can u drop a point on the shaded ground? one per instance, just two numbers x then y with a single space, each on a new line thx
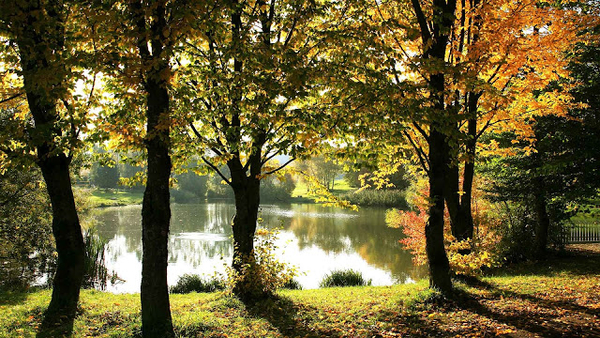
559 297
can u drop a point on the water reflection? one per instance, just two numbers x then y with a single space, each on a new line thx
314 238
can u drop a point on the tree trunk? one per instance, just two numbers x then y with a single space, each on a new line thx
439 267
542 225
247 201
459 202
156 210
69 242
156 216
434 34
43 92
466 213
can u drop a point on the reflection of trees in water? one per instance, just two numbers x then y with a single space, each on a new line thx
122 227
337 232
204 220
194 251
203 231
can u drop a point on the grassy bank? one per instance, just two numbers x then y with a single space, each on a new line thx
113 197
302 194
558 298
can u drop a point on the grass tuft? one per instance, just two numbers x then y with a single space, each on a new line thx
344 278
194 283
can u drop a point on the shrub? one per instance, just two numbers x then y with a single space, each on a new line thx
483 246
26 244
266 273
518 230
344 278
195 283
373 197
183 196
277 188
292 284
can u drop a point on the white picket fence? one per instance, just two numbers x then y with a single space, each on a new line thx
583 233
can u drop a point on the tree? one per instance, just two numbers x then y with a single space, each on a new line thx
495 94
40 53
277 189
152 30
324 170
105 174
138 52
252 68
559 166
436 76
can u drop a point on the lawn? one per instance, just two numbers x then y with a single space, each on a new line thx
301 192
115 197
557 298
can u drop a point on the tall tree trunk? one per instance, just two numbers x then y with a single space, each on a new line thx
439 267
156 216
247 202
39 37
69 241
156 210
542 225
466 213
459 202
435 34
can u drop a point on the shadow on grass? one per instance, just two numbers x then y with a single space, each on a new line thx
548 303
290 319
54 325
574 260
13 297
63 330
536 315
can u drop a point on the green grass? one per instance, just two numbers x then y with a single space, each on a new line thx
113 197
302 195
344 278
559 297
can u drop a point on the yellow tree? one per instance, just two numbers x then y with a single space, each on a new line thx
440 74
251 70
505 52
44 49
138 44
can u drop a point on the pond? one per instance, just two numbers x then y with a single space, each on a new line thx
315 239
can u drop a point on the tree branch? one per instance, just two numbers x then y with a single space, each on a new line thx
281 167
420 153
214 167
11 97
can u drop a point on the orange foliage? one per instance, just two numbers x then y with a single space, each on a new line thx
484 245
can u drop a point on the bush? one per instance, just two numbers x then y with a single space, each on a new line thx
518 231
373 197
261 278
292 284
183 196
195 283
344 278
277 189
26 242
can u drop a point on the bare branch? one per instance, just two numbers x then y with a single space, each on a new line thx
214 167
420 153
281 167
11 97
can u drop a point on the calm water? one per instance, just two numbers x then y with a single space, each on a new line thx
314 238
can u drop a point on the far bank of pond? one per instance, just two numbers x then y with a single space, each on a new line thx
314 238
